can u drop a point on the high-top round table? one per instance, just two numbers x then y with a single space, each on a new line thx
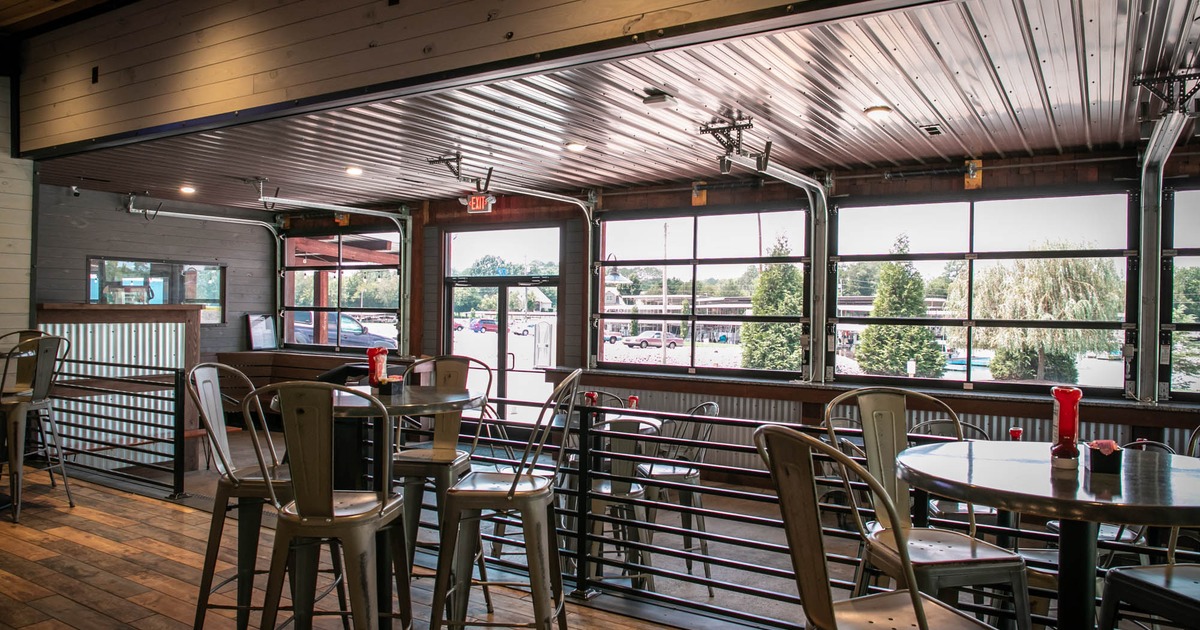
1153 488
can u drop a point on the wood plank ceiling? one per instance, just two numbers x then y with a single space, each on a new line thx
975 79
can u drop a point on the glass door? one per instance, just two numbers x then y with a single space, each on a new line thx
502 308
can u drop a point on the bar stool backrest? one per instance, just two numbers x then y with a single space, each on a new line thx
696 431
622 437
449 373
883 413
25 368
788 455
559 406
37 359
307 410
214 387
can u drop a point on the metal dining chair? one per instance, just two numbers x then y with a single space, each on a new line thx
214 387
1168 591
30 369
321 511
523 492
693 436
616 494
441 460
943 560
944 427
788 455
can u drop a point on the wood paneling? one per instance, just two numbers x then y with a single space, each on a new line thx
70 229
16 216
172 61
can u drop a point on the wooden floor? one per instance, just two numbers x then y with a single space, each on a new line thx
120 560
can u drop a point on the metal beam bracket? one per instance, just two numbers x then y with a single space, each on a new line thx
728 135
1172 89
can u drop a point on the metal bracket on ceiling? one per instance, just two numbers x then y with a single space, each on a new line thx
257 181
728 134
1172 89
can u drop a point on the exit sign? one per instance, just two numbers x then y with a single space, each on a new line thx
480 203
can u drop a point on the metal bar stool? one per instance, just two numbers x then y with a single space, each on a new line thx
522 492
34 366
213 387
319 511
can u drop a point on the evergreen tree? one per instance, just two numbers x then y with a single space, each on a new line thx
778 290
887 349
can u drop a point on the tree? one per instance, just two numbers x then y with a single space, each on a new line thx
778 290
939 287
859 278
635 326
1046 289
887 349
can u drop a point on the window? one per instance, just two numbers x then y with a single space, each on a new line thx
1019 292
159 282
1184 296
718 290
350 282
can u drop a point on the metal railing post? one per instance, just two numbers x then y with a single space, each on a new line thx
178 441
583 504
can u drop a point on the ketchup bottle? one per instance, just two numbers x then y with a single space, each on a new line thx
376 365
590 398
1065 452
633 402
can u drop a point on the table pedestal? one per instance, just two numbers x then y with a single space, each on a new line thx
1076 573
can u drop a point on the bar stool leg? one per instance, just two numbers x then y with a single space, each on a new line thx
414 496
249 523
60 455
215 528
16 455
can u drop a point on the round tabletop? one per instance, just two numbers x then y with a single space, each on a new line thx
412 401
1153 488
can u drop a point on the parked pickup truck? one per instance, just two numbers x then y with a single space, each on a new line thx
353 332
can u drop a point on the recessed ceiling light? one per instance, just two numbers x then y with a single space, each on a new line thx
187 190
576 146
878 112
354 171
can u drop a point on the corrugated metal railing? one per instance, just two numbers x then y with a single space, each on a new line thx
747 555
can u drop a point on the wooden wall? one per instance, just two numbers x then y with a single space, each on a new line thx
16 221
158 63
70 229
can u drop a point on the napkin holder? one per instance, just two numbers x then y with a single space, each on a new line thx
1098 462
390 387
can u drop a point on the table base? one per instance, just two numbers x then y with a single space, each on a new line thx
1077 574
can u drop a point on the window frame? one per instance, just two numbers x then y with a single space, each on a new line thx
288 323
1167 284
600 266
177 269
1127 325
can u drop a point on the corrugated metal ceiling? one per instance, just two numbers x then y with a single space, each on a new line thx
998 78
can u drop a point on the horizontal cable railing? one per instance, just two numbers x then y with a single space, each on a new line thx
122 420
752 577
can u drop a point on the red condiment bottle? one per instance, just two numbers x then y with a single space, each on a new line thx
376 365
633 402
1065 452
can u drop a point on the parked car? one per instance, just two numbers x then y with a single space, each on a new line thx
611 336
353 332
653 338
459 325
524 328
484 325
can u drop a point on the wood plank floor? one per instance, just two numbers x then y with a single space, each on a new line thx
121 560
